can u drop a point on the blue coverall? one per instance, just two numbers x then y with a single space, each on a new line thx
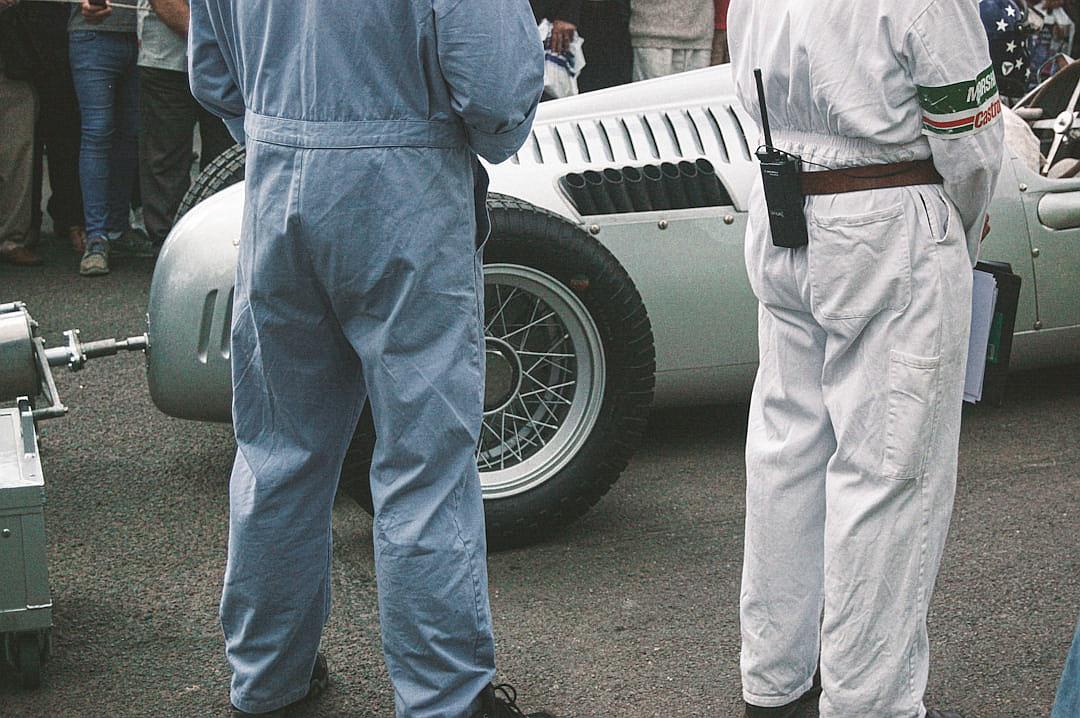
359 277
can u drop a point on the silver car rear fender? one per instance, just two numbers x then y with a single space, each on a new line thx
190 313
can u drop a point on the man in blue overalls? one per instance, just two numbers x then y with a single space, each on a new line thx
359 278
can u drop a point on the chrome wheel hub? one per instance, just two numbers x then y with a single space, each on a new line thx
545 379
502 376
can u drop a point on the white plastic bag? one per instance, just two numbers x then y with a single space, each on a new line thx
561 70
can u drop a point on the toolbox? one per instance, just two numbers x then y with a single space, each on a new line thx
25 604
26 379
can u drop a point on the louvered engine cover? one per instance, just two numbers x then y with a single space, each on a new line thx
683 117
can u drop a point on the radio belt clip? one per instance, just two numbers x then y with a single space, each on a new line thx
780 175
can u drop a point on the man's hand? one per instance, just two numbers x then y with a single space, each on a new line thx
562 34
176 14
95 13
986 228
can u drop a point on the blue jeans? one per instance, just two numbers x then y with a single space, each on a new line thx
104 70
1067 704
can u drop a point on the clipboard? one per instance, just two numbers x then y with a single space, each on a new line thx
1003 323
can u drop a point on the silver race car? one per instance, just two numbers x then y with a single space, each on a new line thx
614 282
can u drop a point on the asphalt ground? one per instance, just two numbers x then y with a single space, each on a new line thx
630 612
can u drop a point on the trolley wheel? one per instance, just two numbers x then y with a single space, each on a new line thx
29 657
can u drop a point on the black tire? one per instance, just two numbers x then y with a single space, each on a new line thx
523 235
30 659
225 170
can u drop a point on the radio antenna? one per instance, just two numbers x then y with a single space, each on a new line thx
764 109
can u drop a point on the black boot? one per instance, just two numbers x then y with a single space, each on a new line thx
501 702
791 710
804 707
320 679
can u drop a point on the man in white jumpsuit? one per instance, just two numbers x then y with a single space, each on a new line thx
855 419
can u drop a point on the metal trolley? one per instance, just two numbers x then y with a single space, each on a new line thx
26 382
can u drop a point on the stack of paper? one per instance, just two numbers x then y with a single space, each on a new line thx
983 300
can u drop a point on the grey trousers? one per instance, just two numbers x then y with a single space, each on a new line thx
168 116
18 108
650 62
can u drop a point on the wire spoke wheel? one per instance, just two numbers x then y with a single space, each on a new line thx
570 368
545 379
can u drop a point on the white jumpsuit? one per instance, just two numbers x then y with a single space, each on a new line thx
855 419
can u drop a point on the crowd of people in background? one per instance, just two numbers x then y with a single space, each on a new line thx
628 40
102 93
98 97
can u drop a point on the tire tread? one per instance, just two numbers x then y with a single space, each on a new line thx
223 171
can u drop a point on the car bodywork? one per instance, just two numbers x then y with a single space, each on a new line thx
687 264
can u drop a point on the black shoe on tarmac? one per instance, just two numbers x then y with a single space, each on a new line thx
804 707
794 709
320 679
501 702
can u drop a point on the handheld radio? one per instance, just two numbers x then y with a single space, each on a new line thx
780 173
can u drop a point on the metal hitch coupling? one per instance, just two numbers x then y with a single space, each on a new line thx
26 365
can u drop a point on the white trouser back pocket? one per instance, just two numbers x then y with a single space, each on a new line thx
860 265
909 425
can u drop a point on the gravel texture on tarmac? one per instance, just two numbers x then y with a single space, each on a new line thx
630 612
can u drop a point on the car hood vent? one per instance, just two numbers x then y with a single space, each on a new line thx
717 131
645 188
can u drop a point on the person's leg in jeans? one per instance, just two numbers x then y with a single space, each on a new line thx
103 69
1067 704
94 75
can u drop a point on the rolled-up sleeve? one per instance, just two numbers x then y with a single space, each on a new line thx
493 63
950 63
211 74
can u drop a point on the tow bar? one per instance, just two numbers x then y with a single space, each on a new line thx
26 380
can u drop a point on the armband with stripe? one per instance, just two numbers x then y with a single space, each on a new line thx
962 108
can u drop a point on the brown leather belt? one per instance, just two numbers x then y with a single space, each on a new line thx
857 179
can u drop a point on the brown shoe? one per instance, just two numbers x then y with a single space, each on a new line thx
33 238
19 256
77 235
